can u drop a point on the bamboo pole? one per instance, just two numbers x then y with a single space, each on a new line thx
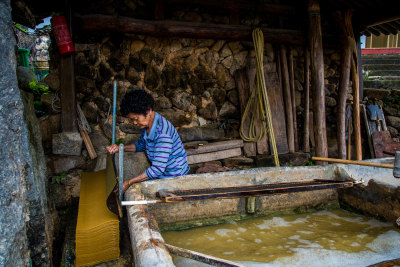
362 163
306 134
356 107
287 98
317 74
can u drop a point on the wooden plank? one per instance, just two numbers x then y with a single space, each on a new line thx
355 162
306 133
214 261
262 144
317 74
88 143
287 98
293 95
277 111
243 86
252 190
216 146
223 154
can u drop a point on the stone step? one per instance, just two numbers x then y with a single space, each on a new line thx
384 72
385 84
384 78
380 61
395 56
380 67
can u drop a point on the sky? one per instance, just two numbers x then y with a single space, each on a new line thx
46 21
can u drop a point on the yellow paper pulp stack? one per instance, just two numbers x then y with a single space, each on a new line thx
97 230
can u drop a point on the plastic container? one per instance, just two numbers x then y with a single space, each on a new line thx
23 57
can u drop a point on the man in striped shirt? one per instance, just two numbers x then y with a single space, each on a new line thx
159 139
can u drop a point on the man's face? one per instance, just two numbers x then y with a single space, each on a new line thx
140 120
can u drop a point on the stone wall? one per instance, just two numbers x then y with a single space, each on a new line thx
25 226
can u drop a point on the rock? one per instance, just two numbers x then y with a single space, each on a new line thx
152 42
90 110
220 75
393 121
47 100
129 128
391 111
176 117
235 47
189 134
240 59
136 46
181 99
49 125
52 80
294 159
196 85
218 45
227 110
135 163
66 192
147 55
330 101
162 103
175 45
393 131
192 17
237 161
152 78
191 62
132 75
67 143
336 57
218 95
227 62
99 141
25 76
97 164
172 77
61 164
209 167
209 112
298 86
225 52
131 138
233 97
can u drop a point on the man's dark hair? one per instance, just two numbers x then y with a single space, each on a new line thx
137 102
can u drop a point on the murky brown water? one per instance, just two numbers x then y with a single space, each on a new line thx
327 238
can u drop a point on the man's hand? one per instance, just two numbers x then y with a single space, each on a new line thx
112 149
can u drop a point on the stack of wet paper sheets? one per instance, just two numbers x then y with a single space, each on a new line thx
97 230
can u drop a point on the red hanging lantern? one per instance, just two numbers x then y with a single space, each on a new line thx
63 37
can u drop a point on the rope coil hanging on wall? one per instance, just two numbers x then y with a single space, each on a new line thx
258 101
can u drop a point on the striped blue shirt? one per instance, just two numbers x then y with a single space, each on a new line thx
164 149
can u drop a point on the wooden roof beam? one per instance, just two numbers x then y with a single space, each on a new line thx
381 29
240 4
184 29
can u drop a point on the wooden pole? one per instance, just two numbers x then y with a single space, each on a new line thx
293 94
287 98
317 74
362 163
356 106
306 135
349 139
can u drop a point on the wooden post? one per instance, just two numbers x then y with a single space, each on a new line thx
317 74
356 106
67 85
293 94
306 135
287 98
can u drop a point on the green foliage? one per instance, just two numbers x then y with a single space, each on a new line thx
310 163
39 89
61 176
117 141
21 28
